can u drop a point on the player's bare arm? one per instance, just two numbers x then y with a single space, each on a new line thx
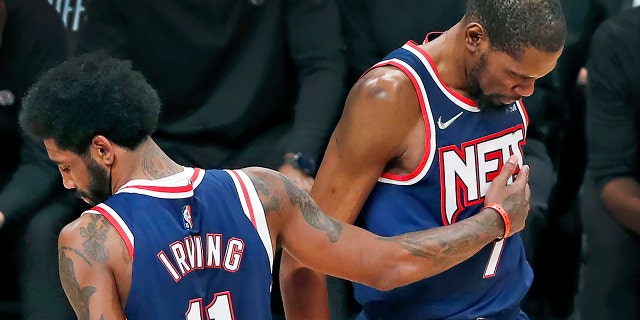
90 255
346 251
375 134
381 112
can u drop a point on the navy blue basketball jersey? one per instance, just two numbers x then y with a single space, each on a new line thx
464 150
200 246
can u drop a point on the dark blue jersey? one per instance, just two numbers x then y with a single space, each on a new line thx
200 246
464 150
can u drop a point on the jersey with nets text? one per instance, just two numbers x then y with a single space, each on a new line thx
464 150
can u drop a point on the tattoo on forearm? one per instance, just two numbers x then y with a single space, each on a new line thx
156 164
95 234
439 244
79 297
312 213
420 245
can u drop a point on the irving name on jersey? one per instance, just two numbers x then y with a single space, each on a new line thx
193 253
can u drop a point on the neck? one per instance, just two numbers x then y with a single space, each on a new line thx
152 163
447 52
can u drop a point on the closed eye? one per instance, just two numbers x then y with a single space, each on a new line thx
520 76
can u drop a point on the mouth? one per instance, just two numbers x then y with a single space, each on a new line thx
83 196
508 100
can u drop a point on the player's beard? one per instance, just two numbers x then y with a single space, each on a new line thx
99 184
486 102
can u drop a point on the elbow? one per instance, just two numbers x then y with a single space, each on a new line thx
397 275
386 285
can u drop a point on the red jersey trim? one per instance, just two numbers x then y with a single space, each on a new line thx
245 193
423 110
454 93
117 222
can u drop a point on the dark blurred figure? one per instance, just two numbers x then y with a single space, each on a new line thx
556 151
611 202
373 28
242 82
33 208
72 13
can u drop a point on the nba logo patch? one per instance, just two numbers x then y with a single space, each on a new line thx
186 217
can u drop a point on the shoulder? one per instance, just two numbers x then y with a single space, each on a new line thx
274 188
382 81
87 220
80 227
93 235
381 108
384 85
263 177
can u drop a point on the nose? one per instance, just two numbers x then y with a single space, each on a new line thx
68 182
524 89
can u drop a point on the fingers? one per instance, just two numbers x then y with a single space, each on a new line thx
523 175
527 192
508 169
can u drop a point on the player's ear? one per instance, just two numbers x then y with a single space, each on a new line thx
475 37
102 149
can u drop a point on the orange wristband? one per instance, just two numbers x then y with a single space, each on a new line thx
505 218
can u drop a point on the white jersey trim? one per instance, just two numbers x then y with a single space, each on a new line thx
252 207
434 76
177 186
523 114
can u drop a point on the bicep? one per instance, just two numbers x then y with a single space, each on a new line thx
85 273
379 113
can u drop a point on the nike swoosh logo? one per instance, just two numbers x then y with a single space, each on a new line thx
444 125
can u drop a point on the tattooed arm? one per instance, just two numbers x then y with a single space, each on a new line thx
346 251
88 250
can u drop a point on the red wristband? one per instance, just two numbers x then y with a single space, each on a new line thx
505 218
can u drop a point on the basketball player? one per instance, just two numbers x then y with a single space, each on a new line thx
423 134
165 241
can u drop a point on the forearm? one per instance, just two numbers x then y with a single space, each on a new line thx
304 291
621 197
430 252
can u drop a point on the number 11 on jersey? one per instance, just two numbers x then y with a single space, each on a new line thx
220 308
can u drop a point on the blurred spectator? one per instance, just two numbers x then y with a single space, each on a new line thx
556 152
611 210
72 13
373 28
32 207
242 82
